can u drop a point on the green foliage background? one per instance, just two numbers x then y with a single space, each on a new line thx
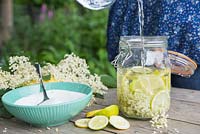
73 29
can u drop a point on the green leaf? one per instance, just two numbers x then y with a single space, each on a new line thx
98 95
108 81
47 77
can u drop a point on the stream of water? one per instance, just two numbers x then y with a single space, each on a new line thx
141 22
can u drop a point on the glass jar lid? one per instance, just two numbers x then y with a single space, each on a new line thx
181 64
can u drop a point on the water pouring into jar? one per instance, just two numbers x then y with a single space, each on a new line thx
127 19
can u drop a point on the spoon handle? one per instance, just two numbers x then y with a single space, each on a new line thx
38 69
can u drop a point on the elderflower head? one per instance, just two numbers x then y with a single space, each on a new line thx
4 79
74 69
159 120
22 70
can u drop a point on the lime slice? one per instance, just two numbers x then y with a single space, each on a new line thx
140 69
156 82
133 72
82 123
119 122
148 84
98 122
160 102
109 111
143 83
92 113
132 87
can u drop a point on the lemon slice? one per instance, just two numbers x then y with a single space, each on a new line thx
148 84
98 122
109 111
92 113
160 102
140 69
134 71
132 74
82 123
156 82
119 122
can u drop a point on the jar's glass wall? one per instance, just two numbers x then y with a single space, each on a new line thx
143 90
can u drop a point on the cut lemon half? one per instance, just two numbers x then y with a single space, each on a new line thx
98 122
82 123
160 102
119 122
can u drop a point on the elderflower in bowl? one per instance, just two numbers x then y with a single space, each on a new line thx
67 99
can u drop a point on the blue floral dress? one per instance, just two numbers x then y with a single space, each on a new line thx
177 19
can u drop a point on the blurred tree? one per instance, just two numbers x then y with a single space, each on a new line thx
6 20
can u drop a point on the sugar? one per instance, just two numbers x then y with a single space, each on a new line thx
56 97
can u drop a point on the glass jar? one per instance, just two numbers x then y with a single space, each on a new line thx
143 76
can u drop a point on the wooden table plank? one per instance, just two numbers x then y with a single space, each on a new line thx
187 110
144 127
15 126
185 95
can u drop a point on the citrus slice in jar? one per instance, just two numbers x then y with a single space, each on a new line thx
98 122
82 123
165 74
140 69
160 102
119 122
148 84
133 72
156 82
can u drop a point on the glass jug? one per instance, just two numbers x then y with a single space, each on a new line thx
143 76
96 4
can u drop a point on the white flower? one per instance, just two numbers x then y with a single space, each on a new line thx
74 69
159 120
70 69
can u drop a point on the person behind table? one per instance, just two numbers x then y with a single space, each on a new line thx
179 20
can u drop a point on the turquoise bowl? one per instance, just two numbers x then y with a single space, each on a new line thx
47 115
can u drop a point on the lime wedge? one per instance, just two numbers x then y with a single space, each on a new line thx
109 111
82 123
98 122
119 122
160 102
92 113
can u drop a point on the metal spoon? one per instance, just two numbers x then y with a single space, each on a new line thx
38 69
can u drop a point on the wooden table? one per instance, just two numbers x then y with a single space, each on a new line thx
184 116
